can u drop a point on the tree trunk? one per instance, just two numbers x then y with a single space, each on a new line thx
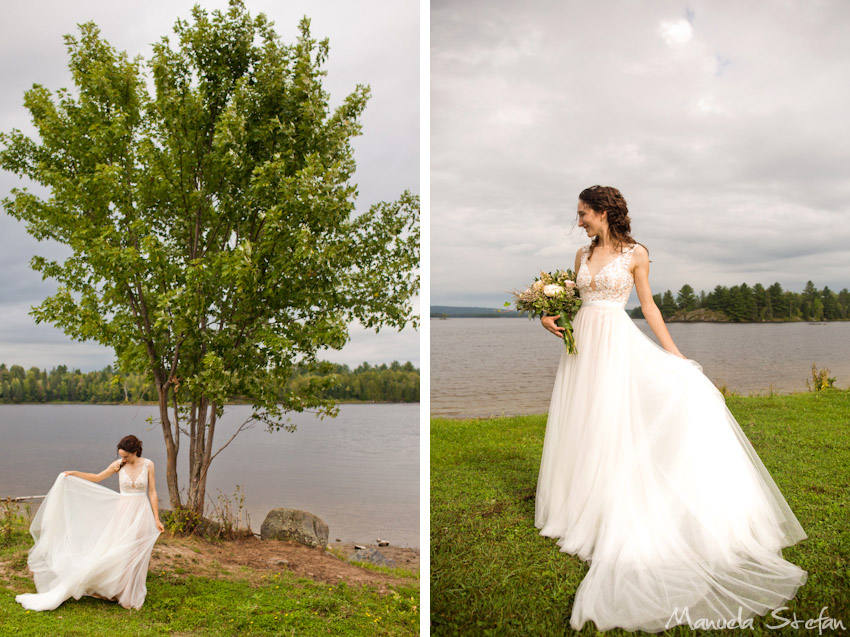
170 449
199 456
201 421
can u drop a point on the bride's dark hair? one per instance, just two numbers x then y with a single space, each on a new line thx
130 444
609 199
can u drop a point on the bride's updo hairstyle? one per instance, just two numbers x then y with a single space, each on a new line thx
130 444
608 199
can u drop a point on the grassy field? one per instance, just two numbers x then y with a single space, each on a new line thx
237 601
493 574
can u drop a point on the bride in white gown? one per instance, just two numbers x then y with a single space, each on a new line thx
645 473
90 540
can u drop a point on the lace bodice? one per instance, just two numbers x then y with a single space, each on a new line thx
613 282
137 482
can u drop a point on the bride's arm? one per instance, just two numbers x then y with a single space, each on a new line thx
95 477
153 497
640 259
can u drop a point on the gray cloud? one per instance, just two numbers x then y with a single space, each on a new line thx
723 124
374 42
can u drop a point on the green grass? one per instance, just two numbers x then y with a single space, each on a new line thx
279 604
493 574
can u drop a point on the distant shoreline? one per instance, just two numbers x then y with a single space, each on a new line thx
451 311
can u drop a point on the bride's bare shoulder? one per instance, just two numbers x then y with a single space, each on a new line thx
640 252
640 259
579 253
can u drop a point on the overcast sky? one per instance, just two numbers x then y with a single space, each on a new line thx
724 124
374 42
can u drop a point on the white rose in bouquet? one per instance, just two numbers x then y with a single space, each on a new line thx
552 290
569 284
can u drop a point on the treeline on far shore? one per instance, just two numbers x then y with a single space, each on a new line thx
397 382
738 304
745 304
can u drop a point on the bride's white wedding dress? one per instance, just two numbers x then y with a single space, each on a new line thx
647 476
90 540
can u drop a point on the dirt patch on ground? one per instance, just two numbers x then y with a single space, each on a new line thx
253 558
16 566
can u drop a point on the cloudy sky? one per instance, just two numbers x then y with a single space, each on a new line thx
373 42
724 124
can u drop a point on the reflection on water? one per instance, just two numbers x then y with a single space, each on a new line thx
487 367
358 472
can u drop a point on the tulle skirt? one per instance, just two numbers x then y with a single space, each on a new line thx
90 540
647 476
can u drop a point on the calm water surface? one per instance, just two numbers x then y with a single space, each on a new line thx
485 367
359 472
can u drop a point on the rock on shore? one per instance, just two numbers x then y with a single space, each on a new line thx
294 524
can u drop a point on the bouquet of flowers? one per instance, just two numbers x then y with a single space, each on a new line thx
552 293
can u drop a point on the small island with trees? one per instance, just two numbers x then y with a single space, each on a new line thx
750 304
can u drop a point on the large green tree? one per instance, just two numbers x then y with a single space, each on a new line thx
212 223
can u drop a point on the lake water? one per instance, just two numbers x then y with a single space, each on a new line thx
488 367
359 472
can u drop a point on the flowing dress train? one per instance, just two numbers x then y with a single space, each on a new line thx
90 540
646 475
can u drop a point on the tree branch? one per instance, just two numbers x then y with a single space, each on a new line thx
245 425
